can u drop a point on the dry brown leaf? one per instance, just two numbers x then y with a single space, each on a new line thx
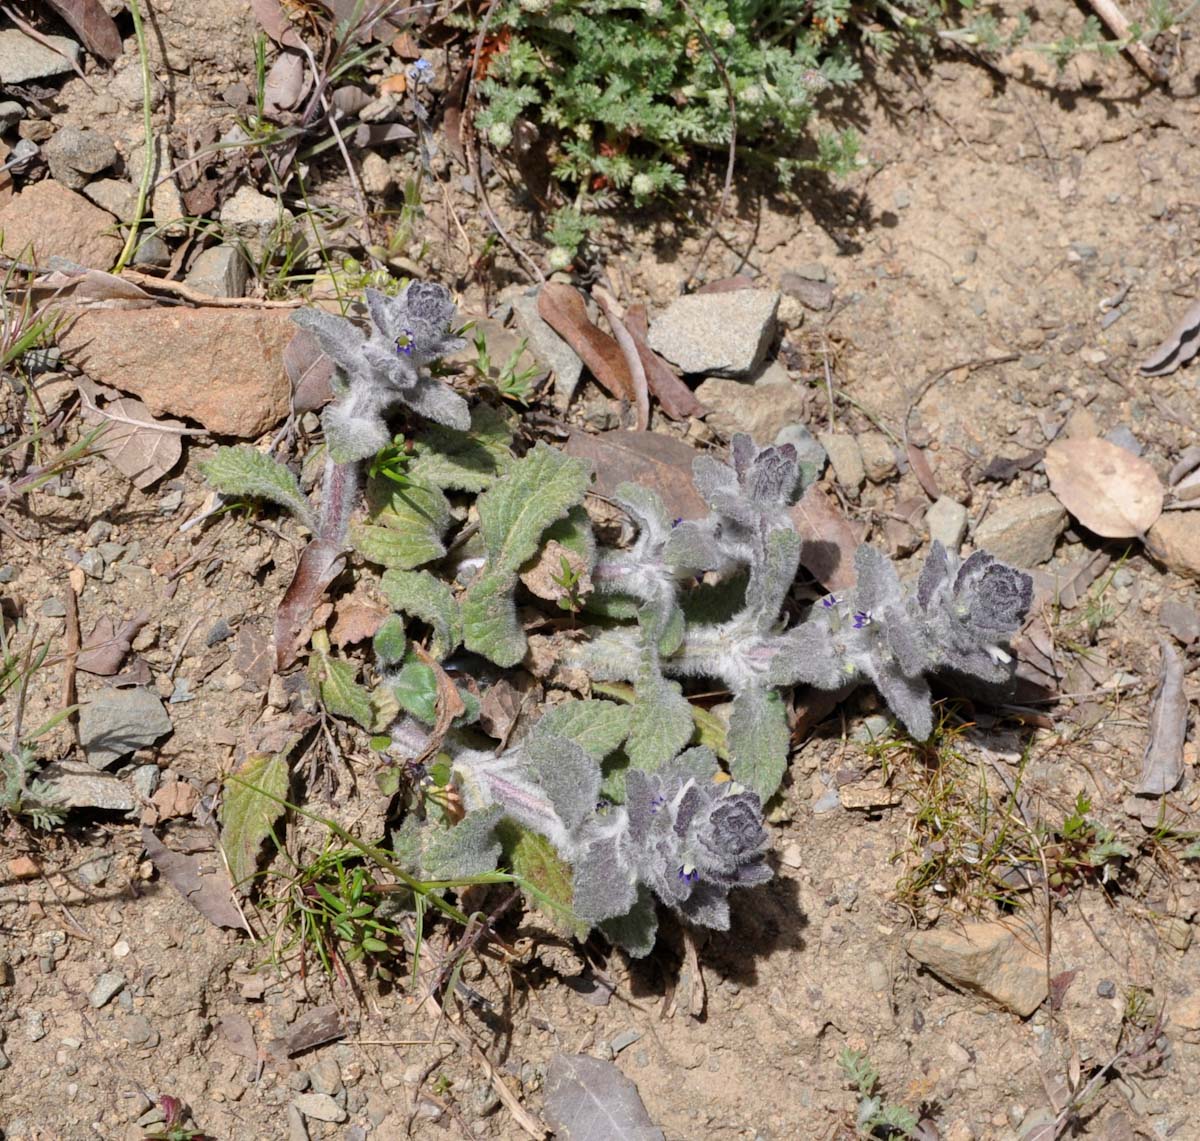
562 308
829 541
923 472
1110 491
1162 765
325 1024
199 875
660 463
296 617
88 288
309 370
355 621
629 351
140 447
92 24
1182 343
274 21
1072 582
105 647
286 84
542 575
676 399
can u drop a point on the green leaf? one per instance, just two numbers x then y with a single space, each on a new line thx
405 525
338 691
245 471
575 533
533 859
419 594
490 623
598 727
710 731
248 812
390 643
375 946
415 687
661 722
635 931
465 461
469 848
758 741
537 491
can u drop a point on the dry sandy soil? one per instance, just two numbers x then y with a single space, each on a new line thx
1001 204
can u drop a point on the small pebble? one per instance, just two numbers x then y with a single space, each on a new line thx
35 1025
92 564
219 632
1106 988
319 1106
106 987
7 573
54 608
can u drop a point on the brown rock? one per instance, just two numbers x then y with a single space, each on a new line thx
759 411
56 221
1000 962
222 367
1175 541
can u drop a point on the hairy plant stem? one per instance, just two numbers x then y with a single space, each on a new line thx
339 491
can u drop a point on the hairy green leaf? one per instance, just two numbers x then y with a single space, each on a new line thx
490 624
635 931
661 721
419 594
465 461
245 471
248 812
537 491
532 858
405 525
338 691
598 727
758 741
469 848
415 688
389 642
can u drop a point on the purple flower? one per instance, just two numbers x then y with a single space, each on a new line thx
676 521
657 804
862 618
688 874
421 71
830 601
405 342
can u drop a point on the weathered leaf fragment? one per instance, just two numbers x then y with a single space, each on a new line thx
588 1099
1162 765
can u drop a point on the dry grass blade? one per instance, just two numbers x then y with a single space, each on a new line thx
629 350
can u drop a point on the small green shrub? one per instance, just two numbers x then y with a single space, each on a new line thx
632 89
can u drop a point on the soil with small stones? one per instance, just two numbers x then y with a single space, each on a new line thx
1002 204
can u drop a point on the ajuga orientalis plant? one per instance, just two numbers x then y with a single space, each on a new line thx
609 807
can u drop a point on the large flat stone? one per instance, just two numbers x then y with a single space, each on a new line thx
22 58
221 367
1175 541
718 334
53 221
1003 963
118 721
762 411
1022 532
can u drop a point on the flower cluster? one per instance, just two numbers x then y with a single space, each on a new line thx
387 366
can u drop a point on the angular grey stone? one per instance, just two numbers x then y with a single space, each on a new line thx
319 1106
75 154
718 334
255 219
1124 438
54 608
762 411
1181 620
115 195
809 271
76 785
219 271
846 458
1002 962
811 293
947 523
772 373
879 457
118 721
1022 532
10 115
152 250
106 988
549 348
23 58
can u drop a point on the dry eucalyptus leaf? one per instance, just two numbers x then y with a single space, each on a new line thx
588 1099
199 875
661 463
829 539
1110 491
105 647
563 309
1162 765
1181 345
140 447
92 24
286 84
